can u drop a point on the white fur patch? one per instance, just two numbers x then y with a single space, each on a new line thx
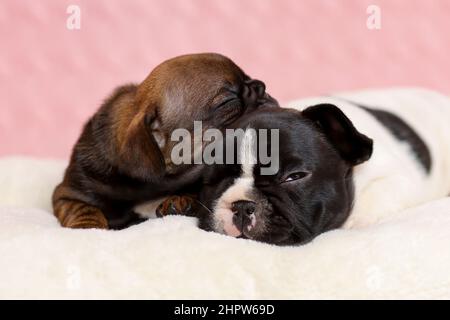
247 153
242 186
252 222
148 209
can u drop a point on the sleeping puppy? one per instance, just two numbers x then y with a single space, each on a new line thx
348 161
122 157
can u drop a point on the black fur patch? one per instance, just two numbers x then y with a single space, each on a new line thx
403 132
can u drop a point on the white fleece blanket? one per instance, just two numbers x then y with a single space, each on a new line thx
407 257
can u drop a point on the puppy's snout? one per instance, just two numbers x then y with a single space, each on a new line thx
259 87
243 207
243 218
253 91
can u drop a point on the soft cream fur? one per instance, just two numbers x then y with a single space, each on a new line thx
404 256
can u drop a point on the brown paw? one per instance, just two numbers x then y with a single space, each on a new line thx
176 205
79 215
86 219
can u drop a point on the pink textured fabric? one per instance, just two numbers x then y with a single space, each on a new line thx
52 79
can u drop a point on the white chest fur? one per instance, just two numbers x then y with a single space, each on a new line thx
393 179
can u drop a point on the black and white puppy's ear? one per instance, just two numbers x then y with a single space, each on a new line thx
353 146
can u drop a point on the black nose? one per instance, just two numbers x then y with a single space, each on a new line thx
253 91
243 207
259 87
242 210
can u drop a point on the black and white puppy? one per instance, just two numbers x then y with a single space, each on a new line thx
346 161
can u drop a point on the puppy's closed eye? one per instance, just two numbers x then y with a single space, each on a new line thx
296 176
227 102
229 110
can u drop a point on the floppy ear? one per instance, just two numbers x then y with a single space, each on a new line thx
353 146
139 153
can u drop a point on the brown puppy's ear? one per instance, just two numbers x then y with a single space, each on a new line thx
353 146
139 153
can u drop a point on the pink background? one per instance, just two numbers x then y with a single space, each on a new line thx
52 79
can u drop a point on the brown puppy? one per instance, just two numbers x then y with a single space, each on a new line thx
122 157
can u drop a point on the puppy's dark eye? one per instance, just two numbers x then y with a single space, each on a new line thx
296 176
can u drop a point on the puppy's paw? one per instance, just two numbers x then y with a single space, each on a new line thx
176 205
